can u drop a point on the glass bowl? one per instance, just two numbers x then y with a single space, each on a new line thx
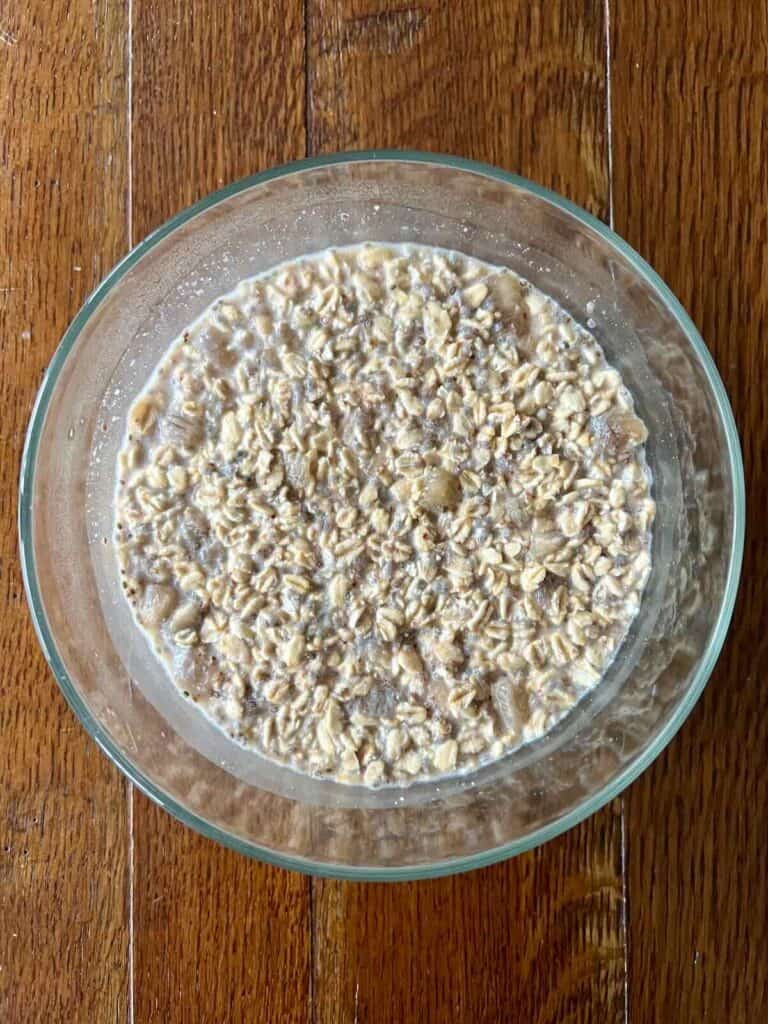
120 691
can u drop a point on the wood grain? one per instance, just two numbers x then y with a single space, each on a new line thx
517 84
539 938
217 937
690 104
218 92
63 919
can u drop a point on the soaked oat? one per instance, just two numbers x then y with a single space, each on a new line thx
384 512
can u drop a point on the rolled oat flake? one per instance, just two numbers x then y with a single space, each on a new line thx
384 513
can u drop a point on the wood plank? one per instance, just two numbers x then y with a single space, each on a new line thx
63 919
516 84
539 938
218 92
217 937
535 939
690 101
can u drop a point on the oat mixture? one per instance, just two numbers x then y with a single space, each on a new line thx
384 512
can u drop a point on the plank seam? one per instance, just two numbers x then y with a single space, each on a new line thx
625 908
623 816
308 152
307 85
131 991
312 1007
130 795
609 110
129 115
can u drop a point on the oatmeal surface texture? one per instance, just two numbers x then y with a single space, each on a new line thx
384 513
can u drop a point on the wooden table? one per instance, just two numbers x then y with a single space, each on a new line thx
652 114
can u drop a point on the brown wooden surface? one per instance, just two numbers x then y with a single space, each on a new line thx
540 938
115 114
63 918
690 160
537 939
218 92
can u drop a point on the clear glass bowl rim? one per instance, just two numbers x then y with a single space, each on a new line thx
372 872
